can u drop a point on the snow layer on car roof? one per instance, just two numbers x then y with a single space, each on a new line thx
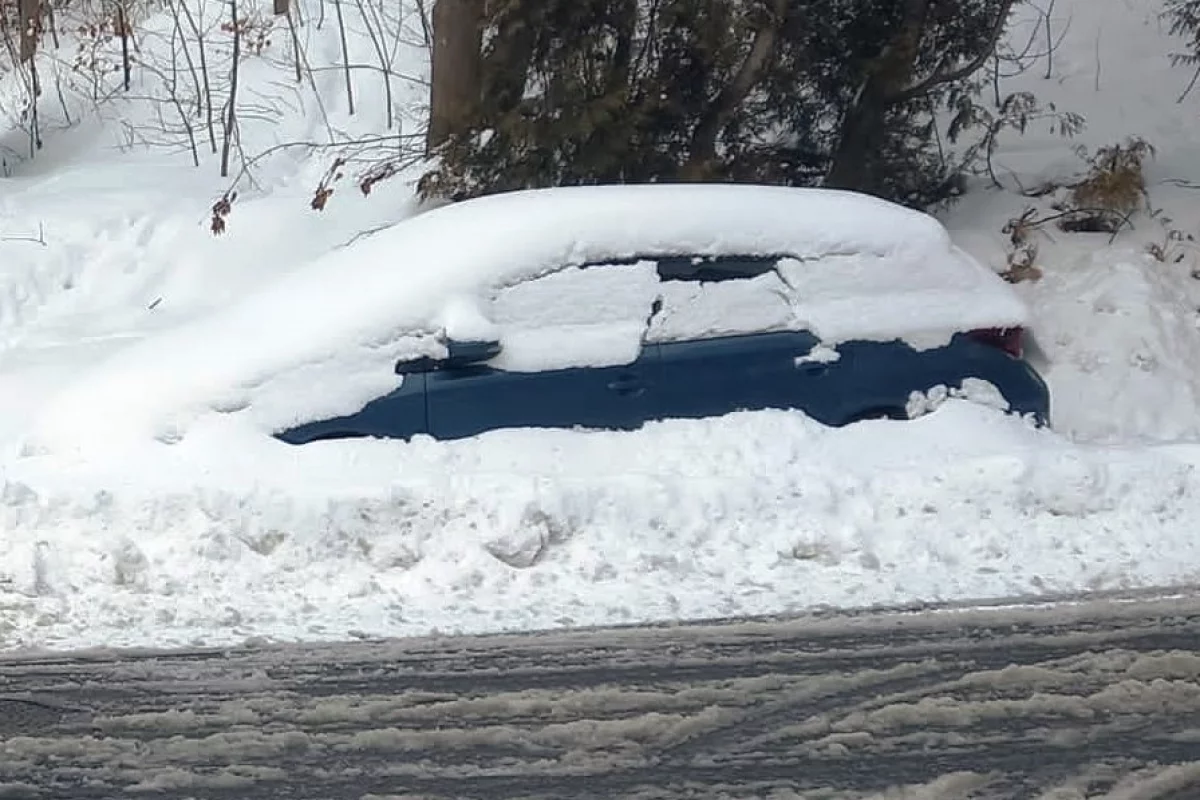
864 268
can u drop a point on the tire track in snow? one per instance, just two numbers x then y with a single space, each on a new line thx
1097 699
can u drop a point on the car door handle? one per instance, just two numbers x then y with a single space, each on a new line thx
629 386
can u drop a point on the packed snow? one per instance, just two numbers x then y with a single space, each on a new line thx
143 361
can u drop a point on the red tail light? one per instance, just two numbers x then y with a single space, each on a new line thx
1010 340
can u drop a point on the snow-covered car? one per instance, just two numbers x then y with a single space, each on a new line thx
606 307
592 306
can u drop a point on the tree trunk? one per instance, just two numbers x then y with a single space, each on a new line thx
862 128
29 14
455 68
701 163
890 81
865 121
504 71
126 64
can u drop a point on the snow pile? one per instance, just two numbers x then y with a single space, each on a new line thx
1110 385
862 268
693 309
753 513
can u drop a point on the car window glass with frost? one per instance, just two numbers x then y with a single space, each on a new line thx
693 307
575 317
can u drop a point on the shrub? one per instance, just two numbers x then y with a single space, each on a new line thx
1116 179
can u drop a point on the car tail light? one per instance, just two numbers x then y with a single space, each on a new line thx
1010 340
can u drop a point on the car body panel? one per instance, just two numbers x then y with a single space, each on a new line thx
697 379
710 377
871 378
464 402
399 414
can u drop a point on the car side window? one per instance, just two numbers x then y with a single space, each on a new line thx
714 269
575 317
748 297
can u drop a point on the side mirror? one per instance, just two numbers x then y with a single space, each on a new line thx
459 353
410 366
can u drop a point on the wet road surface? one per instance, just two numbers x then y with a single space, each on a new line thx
1097 699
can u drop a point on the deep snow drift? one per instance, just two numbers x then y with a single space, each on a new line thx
224 534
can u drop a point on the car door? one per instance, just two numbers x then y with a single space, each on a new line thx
714 376
727 340
399 414
571 356
464 402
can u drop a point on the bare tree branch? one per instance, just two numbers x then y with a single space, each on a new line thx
733 94
966 70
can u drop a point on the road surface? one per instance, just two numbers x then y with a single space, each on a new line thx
1099 699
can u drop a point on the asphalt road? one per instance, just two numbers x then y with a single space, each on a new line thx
1090 700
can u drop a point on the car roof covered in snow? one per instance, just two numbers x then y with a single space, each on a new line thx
859 268
865 268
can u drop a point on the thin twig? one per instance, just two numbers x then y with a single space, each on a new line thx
337 7
318 147
1181 183
1049 41
231 110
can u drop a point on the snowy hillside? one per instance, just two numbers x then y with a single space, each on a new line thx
224 534
1121 329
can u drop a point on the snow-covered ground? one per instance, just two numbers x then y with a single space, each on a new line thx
105 251
1121 329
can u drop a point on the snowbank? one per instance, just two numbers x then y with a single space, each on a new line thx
1122 339
754 513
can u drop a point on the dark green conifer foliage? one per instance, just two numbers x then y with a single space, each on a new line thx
797 92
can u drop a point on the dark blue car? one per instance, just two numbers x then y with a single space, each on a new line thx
705 373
